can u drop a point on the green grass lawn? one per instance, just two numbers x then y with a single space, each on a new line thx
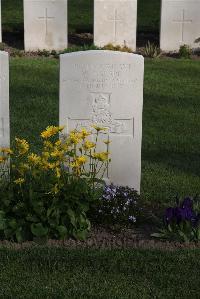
170 166
81 15
171 127
116 274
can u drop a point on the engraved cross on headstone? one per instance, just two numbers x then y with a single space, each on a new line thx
183 21
46 18
116 19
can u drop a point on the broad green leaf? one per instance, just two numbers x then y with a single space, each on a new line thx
39 230
62 231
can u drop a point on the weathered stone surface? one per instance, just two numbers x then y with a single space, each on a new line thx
0 24
4 100
45 24
115 22
106 88
180 24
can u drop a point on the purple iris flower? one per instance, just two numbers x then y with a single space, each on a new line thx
187 203
184 212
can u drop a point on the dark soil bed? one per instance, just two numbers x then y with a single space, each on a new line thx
14 44
104 238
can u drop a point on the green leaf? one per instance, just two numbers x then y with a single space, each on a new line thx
19 235
2 220
80 235
32 218
62 231
183 236
39 230
158 235
12 223
72 217
198 234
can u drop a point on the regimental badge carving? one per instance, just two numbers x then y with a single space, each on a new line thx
100 104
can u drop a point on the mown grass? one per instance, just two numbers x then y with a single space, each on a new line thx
171 127
61 273
81 15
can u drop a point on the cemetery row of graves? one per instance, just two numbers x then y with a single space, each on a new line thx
114 23
102 131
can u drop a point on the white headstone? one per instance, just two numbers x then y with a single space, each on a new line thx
0 24
45 24
115 22
106 88
4 100
180 24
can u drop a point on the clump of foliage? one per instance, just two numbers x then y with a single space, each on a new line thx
151 50
117 205
182 222
2 46
111 47
47 195
185 52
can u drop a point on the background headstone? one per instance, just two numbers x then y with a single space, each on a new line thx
4 100
45 24
115 22
106 88
180 24
0 24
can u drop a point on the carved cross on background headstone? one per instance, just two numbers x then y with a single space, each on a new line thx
46 18
116 19
183 21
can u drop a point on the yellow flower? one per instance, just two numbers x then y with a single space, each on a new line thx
51 131
48 145
107 141
58 143
58 172
74 165
98 128
2 159
6 150
22 146
45 155
84 133
52 165
55 189
22 168
75 137
103 156
19 181
88 145
34 159
57 154
81 160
